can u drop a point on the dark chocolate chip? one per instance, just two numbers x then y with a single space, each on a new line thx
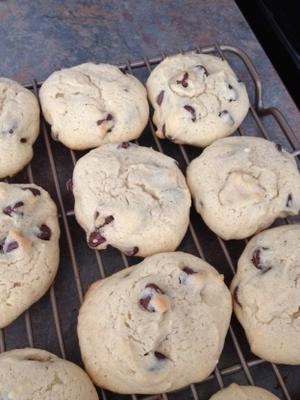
13 209
34 191
234 94
226 117
44 233
188 270
95 239
183 81
12 246
289 200
69 185
236 296
160 97
239 80
11 131
132 251
123 145
183 275
160 356
109 117
191 110
109 219
256 260
23 140
144 301
202 68
278 147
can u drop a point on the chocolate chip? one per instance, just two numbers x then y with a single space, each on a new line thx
12 246
13 209
183 275
160 356
233 94
239 80
109 117
226 117
123 145
183 81
289 200
256 260
163 129
202 68
23 140
95 239
69 185
34 191
160 97
188 270
44 233
131 252
11 131
235 296
109 219
278 147
145 300
191 110
123 71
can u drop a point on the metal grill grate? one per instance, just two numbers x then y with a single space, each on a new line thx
51 323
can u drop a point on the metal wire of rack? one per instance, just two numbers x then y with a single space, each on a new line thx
60 162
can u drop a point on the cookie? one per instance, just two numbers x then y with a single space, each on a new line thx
266 292
33 374
155 327
29 248
196 99
234 392
240 185
132 198
92 104
19 126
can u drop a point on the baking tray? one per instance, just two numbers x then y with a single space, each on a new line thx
51 322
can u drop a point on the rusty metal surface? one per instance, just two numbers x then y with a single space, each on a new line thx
51 322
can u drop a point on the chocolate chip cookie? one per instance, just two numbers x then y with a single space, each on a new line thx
132 198
266 292
196 98
34 374
237 392
29 248
155 327
240 185
92 104
19 126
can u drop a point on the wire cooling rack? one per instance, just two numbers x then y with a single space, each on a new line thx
51 323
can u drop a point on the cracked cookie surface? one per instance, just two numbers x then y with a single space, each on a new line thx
240 185
29 248
34 374
19 126
156 326
234 392
132 198
266 291
92 104
196 98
